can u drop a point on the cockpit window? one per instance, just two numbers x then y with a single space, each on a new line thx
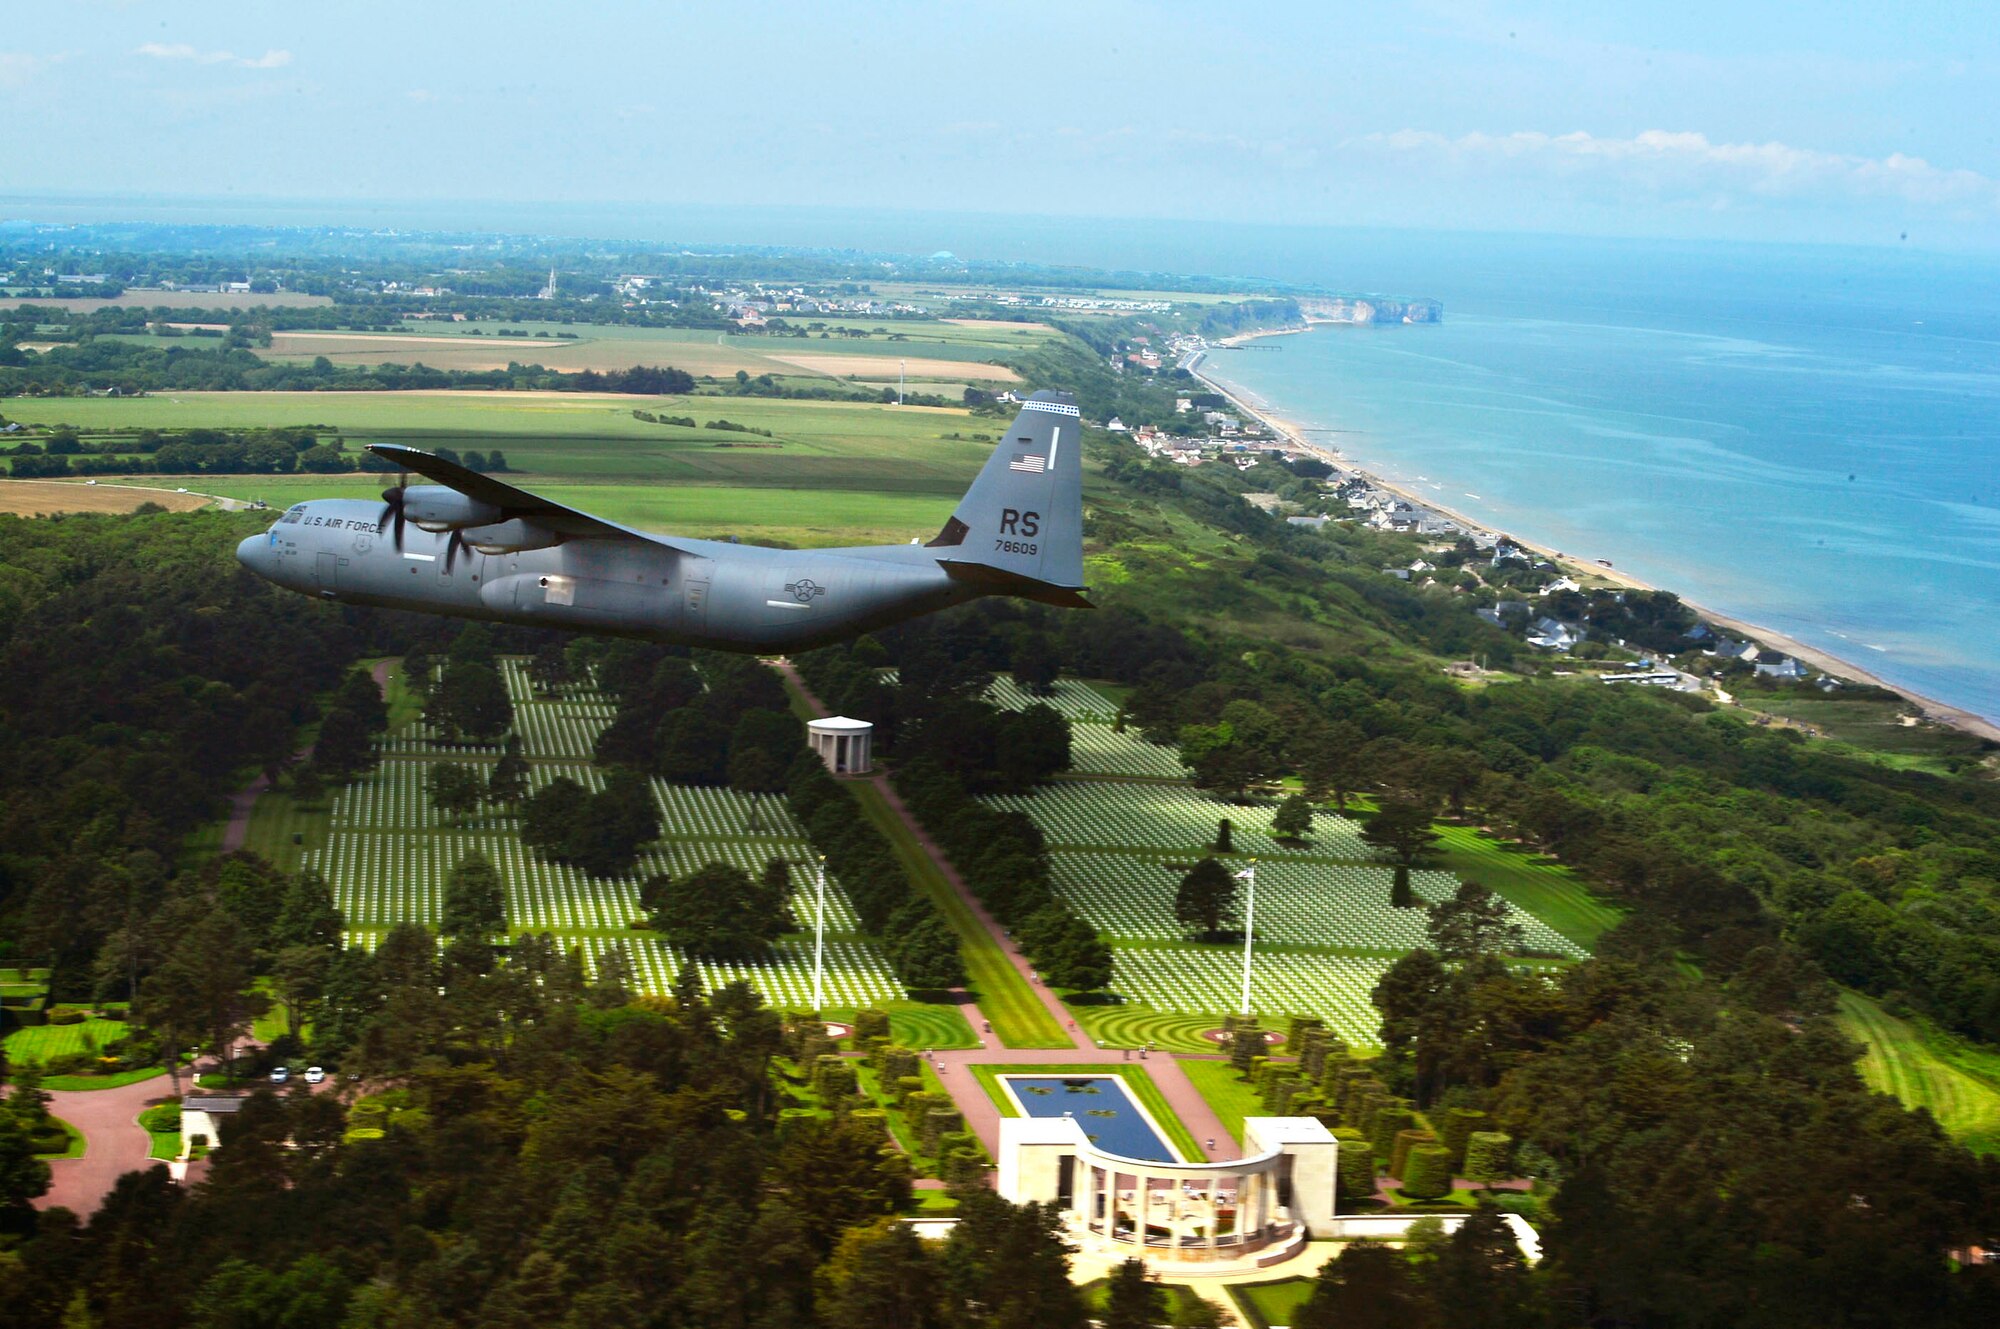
292 515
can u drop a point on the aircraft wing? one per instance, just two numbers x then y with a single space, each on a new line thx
511 500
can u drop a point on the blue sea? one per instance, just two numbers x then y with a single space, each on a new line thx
1804 437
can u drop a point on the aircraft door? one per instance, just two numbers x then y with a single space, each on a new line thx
697 574
329 574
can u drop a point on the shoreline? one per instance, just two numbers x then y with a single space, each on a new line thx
1930 708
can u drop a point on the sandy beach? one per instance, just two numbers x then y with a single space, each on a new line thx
1929 707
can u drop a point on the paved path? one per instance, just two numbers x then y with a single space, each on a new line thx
982 1117
114 1142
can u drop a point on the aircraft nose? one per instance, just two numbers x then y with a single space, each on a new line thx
251 552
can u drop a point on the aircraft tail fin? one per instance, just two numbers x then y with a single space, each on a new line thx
1019 529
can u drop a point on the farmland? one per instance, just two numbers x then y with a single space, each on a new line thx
931 355
30 498
831 472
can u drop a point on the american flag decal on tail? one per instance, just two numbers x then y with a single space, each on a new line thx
1029 462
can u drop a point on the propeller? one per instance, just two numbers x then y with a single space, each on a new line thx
392 507
451 547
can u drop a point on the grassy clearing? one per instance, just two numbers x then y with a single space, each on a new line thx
43 1042
1923 1067
1274 1303
1132 1073
71 1084
1875 728
1232 1099
1547 890
1004 997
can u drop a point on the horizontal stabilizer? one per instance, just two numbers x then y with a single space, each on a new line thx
999 581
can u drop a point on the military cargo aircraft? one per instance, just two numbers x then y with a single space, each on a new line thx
475 547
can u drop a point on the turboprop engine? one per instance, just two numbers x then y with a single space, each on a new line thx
508 537
436 508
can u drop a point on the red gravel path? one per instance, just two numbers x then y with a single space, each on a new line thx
114 1142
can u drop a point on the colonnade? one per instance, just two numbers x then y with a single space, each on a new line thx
1190 1209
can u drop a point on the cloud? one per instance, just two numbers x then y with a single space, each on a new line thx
17 67
273 59
1669 163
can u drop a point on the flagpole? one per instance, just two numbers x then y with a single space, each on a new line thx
819 938
1249 874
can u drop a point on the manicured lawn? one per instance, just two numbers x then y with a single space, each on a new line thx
1131 1025
1019 1019
1132 1073
117 1080
1549 891
1925 1067
166 1139
1180 1300
1232 1099
76 1141
1275 1303
46 1041
277 816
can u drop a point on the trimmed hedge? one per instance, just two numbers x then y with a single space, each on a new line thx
1387 1120
1399 1149
1454 1127
1488 1156
1427 1172
1356 1164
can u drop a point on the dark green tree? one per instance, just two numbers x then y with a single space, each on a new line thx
1133 1300
1401 828
720 912
1293 819
475 900
455 789
1206 897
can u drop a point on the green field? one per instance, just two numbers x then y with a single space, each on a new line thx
832 472
1274 1303
1548 890
1958 1082
1226 1092
44 1042
1875 728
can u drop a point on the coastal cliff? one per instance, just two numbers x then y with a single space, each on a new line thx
1369 309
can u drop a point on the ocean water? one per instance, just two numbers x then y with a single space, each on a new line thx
1808 440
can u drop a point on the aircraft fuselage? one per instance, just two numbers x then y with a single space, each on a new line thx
696 592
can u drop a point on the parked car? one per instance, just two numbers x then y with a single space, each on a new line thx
281 1074
314 1075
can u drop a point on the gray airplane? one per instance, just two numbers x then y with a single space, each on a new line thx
475 547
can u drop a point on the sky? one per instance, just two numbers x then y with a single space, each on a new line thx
1871 124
